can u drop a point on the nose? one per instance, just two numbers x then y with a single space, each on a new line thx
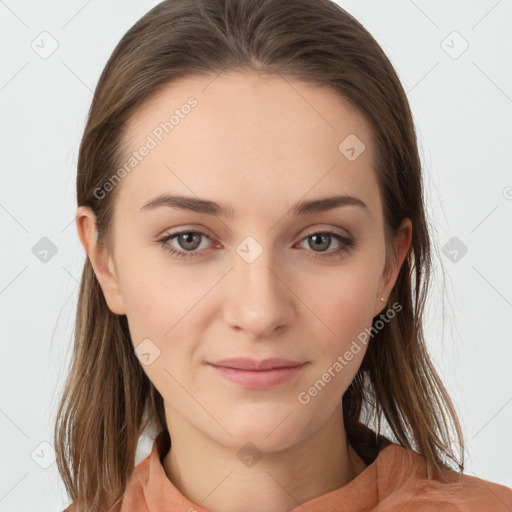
258 300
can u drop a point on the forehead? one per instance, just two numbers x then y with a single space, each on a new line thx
250 139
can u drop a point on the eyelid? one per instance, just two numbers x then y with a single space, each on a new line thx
188 229
331 229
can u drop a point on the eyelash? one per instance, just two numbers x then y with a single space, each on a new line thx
346 244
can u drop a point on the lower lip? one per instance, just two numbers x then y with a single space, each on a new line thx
258 379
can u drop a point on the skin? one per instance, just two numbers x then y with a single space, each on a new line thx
259 144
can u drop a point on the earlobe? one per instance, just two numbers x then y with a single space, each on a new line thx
101 260
401 245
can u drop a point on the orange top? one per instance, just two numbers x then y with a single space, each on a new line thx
395 481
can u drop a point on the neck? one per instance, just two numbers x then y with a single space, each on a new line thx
212 476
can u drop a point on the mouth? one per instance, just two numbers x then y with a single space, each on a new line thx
246 363
253 374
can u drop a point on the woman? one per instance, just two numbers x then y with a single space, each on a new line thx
250 202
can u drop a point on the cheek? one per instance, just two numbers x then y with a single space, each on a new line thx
344 302
161 321
155 294
169 306
148 306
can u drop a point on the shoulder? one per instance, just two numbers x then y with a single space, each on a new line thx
403 483
467 494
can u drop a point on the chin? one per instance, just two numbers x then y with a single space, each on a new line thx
269 432
259 441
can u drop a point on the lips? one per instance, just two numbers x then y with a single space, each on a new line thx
245 363
254 374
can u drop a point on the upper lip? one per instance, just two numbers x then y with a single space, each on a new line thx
246 363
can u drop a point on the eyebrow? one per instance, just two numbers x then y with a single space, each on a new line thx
212 208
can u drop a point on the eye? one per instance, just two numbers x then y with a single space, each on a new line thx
322 240
190 242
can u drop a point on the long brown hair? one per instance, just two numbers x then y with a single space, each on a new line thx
108 401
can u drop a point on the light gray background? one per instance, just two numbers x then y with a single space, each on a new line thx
462 104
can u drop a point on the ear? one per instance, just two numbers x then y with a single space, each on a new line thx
101 261
401 246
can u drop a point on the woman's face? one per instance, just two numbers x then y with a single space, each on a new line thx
262 282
